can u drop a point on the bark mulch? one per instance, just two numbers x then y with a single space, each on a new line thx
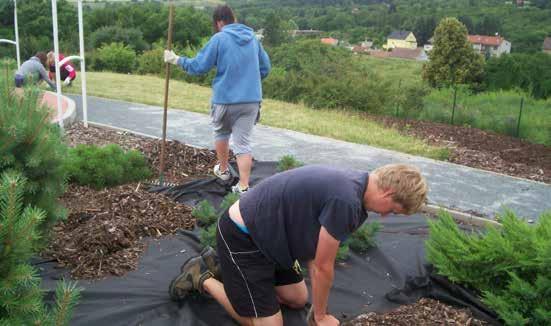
104 230
480 149
426 312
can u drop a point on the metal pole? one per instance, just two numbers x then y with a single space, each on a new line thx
167 79
454 102
520 115
398 97
16 34
56 56
82 64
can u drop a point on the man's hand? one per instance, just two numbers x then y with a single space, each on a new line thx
326 320
171 57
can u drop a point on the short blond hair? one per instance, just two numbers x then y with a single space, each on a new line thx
409 186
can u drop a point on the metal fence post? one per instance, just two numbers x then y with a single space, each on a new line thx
520 116
398 97
454 103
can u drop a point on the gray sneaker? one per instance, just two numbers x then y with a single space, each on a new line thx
222 175
238 190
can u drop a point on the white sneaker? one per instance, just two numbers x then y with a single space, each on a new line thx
224 176
238 190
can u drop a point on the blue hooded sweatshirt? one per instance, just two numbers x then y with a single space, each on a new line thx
240 63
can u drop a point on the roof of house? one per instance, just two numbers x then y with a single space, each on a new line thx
329 40
547 43
379 53
399 35
406 53
486 40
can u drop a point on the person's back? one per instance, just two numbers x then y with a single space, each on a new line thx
33 70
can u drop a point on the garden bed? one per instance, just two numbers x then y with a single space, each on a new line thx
105 229
481 149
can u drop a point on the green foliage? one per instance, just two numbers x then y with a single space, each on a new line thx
452 60
132 37
288 162
359 241
32 146
208 236
323 76
529 72
207 216
20 294
509 265
151 62
115 57
364 237
106 166
274 32
205 213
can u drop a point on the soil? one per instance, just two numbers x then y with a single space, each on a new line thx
426 312
480 149
104 230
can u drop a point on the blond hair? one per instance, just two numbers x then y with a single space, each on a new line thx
409 186
51 59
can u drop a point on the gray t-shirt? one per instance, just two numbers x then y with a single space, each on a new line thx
284 213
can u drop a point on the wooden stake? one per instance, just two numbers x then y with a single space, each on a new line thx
167 79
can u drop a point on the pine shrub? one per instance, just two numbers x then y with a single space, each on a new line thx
510 266
207 215
32 146
21 299
364 237
106 166
288 162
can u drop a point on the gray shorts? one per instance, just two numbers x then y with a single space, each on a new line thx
235 121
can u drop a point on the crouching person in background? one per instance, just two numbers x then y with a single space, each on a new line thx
33 70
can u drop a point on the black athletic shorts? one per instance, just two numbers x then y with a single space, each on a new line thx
249 277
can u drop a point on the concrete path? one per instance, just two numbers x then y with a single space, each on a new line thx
452 186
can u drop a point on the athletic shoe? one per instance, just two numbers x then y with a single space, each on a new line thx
210 259
222 175
194 274
238 190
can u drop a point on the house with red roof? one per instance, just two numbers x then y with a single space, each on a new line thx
493 46
330 41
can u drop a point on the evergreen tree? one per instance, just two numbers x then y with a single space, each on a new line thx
20 293
452 60
33 146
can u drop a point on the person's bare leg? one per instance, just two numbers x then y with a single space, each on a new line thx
294 296
222 153
244 163
216 290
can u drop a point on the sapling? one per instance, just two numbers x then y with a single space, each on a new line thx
288 162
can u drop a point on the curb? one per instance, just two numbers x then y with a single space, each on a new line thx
459 216
70 115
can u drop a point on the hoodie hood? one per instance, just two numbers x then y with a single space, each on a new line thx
240 33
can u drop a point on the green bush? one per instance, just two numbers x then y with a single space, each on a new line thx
132 37
288 162
208 236
115 57
100 167
151 62
205 213
509 266
32 146
364 237
20 293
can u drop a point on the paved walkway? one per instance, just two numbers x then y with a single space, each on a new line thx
452 186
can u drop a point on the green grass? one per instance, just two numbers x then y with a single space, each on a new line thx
342 125
395 69
497 111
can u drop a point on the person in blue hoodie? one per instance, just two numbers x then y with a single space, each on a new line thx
241 63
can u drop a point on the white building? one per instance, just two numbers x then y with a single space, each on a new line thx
494 46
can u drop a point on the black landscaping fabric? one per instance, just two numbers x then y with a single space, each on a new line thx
391 274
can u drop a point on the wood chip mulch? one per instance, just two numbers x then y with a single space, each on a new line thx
104 230
426 312
480 149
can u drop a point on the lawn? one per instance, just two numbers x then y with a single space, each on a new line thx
342 125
